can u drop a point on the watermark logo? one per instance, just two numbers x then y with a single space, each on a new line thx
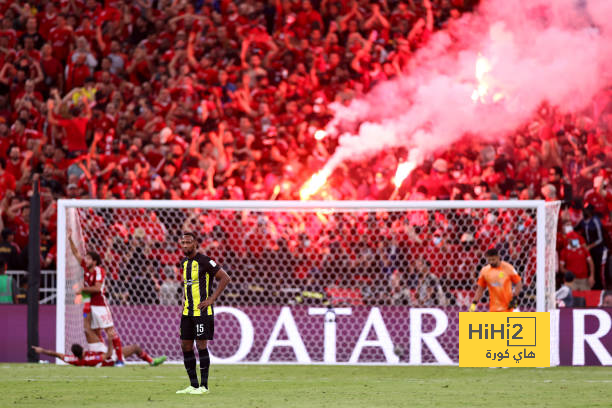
504 339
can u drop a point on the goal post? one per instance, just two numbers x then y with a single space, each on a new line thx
376 266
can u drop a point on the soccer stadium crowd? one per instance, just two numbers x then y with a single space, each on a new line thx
221 99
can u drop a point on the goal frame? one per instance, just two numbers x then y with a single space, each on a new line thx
267 205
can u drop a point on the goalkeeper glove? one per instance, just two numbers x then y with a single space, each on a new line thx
473 307
512 303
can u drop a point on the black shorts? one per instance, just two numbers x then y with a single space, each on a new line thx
197 327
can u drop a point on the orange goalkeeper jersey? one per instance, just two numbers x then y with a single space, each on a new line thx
499 281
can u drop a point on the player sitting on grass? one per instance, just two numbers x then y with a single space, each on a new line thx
99 355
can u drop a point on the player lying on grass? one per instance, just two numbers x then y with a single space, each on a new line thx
99 355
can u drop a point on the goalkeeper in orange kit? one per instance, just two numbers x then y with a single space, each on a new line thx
498 276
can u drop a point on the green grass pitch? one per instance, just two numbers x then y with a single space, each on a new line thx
291 386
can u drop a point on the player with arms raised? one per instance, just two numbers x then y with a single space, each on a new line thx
197 321
498 276
93 287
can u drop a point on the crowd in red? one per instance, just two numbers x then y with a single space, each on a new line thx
220 100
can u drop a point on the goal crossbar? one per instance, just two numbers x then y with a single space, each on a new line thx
302 205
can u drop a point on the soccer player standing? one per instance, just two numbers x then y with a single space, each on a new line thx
498 276
101 318
197 321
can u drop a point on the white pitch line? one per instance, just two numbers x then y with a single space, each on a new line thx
82 377
271 380
50 380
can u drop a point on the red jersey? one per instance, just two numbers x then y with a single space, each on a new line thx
88 33
46 22
90 359
75 132
91 277
601 202
77 75
60 41
109 13
575 257
33 54
22 230
7 182
11 35
52 68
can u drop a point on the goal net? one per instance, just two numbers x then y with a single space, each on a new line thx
332 282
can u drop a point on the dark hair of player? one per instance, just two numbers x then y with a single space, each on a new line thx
7 233
190 234
96 257
588 211
77 350
492 252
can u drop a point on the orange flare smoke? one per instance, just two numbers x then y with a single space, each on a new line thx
403 170
314 184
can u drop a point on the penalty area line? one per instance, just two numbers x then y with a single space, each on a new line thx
75 379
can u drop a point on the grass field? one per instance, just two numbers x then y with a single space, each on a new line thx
292 386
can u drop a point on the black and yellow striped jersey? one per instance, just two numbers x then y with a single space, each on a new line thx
198 276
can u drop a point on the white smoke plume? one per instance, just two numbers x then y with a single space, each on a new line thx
559 51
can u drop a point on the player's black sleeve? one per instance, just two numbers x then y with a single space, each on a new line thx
211 265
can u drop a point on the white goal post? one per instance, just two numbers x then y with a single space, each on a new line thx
369 263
